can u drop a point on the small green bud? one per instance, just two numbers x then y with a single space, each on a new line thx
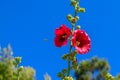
75 65
69 16
74 59
15 64
75 52
64 71
81 10
67 78
77 17
20 68
74 20
65 56
59 74
71 55
73 3
109 77
18 60
78 27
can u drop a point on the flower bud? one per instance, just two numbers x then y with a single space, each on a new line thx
71 56
18 60
67 78
64 71
69 17
14 63
74 20
75 65
20 68
81 10
78 27
75 52
59 74
64 57
77 17
109 77
73 3
74 59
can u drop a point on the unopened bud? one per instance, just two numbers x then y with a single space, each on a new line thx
73 3
74 59
69 17
109 77
81 10
64 57
20 68
18 60
74 20
78 27
15 64
59 74
77 17
75 52
64 71
67 78
75 65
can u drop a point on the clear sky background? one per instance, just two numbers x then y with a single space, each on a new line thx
26 23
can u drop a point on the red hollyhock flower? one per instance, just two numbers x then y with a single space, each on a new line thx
62 35
81 41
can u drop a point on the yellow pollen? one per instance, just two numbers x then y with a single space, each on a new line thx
78 43
64 36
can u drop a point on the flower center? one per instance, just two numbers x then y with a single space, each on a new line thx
78 43
63 37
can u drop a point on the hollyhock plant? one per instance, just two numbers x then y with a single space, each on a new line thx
81 41
78 39
62 35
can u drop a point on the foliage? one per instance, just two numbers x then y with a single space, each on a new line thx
10 69
94 69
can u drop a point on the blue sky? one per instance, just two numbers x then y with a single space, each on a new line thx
25 23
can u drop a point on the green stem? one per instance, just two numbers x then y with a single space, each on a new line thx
68 68
69 59
18 77
17 73
68 74
75 13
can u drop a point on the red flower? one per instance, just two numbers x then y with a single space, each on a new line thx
81 41
62 35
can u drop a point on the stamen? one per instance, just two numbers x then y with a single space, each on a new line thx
64 36
78 43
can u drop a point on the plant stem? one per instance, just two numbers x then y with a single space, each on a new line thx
68 68
18 76
68 74
17 73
